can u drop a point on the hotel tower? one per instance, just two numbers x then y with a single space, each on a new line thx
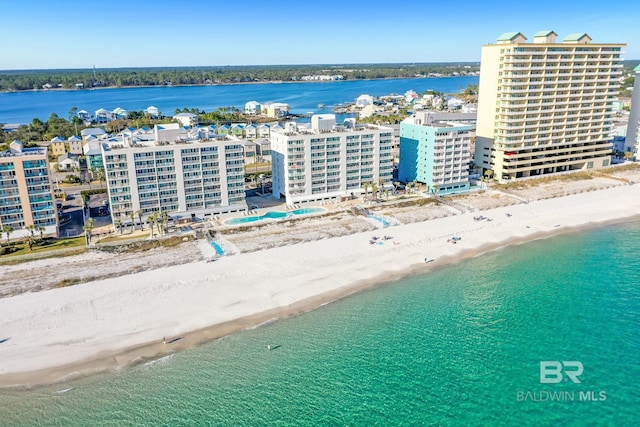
546 106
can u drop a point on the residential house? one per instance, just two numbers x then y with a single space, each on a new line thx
68 162
252 108
264 130
152 112
186 119
96 132
103 116
58 146
120 113
237 130
275 109
84 116
250 131
75 145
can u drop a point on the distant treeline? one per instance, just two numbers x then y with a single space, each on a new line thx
178 76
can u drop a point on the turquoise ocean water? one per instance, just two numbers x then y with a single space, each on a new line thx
458 346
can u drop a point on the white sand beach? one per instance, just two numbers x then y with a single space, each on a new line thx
108 324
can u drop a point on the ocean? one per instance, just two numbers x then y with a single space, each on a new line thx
461 345
23 107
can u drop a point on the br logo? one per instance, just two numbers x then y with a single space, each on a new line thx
551 371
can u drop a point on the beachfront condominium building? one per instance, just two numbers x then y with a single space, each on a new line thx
632 143
188 179
26 196
546 106
321 160
435 153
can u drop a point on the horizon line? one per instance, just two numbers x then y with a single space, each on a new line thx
336 64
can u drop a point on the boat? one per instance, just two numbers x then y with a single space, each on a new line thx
320 106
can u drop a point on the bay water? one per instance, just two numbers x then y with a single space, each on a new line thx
302 97
460 345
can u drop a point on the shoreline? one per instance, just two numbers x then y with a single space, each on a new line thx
300 283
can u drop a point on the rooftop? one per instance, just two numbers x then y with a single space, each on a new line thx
31 151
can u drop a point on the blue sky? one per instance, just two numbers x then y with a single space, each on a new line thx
37 34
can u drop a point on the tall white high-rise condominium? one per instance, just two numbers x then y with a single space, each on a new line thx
546 106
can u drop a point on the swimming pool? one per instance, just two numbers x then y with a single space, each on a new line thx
274 215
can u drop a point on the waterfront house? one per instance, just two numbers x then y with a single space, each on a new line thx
275 109
102 115
84 115
152 112
252 108
186 119
120 113
364 100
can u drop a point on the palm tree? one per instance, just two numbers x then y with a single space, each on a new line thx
164 219
118 224
139 213
152 220
7 229
131 216
41 231
87 230
366 185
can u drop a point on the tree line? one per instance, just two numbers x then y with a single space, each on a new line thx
18 80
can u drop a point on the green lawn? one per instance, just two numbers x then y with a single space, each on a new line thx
48 244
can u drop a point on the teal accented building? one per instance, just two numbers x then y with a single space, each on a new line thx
435 153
